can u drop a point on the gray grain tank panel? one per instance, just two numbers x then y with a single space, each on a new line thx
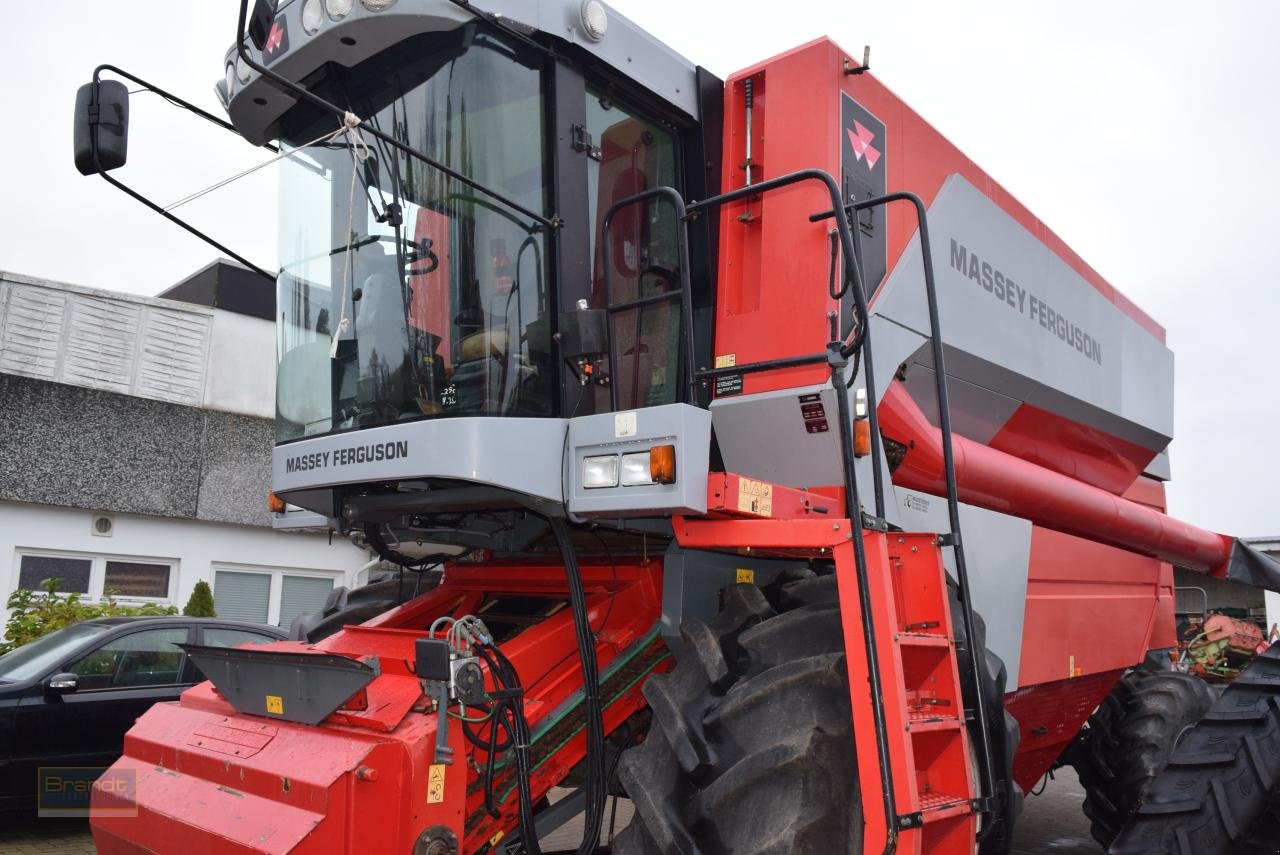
1019 322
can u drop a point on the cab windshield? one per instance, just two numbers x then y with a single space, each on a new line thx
402 293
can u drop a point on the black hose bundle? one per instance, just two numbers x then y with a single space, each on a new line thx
507 714
596 785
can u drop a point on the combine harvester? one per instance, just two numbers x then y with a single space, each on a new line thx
747 451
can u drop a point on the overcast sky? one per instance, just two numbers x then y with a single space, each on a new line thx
1145 134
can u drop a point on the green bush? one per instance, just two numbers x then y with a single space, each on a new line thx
36 613
201 602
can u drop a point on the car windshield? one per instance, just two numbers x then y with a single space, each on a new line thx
403 293
34 658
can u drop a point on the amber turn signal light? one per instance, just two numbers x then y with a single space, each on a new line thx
861 437
275 504
662 464
861 425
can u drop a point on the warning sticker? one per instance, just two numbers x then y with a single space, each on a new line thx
624 424
726 360
745 576
729 384
275 704
755 497
435 784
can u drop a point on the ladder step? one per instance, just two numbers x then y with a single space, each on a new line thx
925 721
907 639
939 806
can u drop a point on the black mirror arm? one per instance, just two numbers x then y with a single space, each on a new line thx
97 164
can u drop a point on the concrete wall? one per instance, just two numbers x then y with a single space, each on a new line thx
244 351
86 448
196 547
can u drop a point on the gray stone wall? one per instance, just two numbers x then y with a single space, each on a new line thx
85 448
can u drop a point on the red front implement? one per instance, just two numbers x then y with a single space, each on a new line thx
214 780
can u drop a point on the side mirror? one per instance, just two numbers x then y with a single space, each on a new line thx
102 118
61 684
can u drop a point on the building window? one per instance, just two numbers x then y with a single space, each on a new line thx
137 579
72 573
268 595
98 576
242 596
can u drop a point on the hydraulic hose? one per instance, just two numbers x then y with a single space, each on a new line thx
596 784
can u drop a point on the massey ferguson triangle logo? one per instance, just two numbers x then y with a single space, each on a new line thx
277 43
276 37
862 148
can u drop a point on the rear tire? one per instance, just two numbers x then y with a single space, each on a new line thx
1131 736
1217 792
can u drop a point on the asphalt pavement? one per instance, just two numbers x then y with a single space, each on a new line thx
1051 823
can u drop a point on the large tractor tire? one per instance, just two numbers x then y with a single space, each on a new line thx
1131 736
1006 733
1217 794
751 750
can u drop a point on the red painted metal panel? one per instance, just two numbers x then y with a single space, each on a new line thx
1090 608
1050 716
1072 449
773 260
1000 482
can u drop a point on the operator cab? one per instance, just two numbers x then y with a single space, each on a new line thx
405 294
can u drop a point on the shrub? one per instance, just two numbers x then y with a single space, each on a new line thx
36 613
201 602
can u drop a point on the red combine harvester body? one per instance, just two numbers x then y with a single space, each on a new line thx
714 428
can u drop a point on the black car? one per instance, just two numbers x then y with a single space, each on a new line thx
67 698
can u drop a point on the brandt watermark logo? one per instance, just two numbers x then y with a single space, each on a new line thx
86 791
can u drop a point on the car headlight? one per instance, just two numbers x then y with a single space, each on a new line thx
231 80
376 5
600 471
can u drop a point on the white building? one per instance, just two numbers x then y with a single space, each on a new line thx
136 438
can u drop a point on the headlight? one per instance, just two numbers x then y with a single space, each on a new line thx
242 70
312 16
635 469
600 471
338 9
231 80
376 5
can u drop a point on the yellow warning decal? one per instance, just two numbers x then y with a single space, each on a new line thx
746 576
727 360
435 784
497 837
275 704
755 497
